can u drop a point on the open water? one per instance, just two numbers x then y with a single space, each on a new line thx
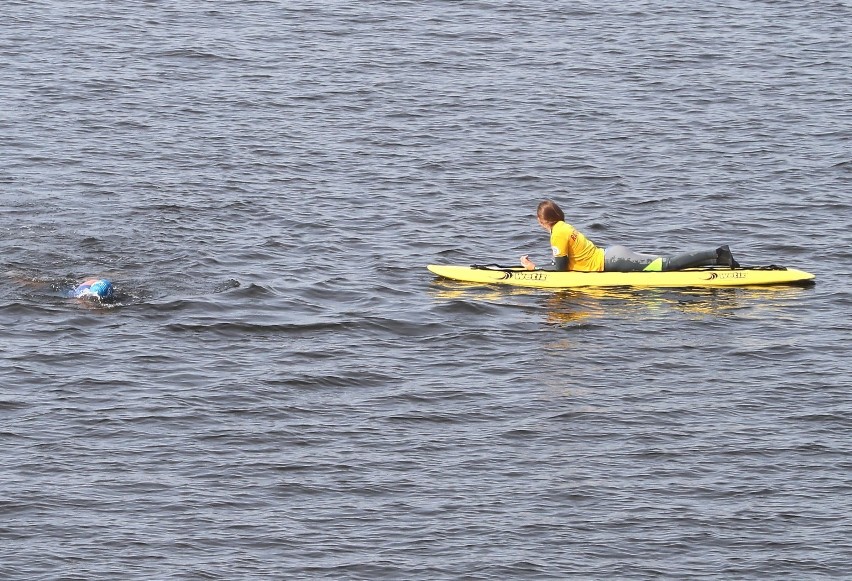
283 391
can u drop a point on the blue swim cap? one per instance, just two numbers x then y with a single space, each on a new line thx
102 288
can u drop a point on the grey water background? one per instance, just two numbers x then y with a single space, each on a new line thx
282 390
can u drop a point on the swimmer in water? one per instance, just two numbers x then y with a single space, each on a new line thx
99 288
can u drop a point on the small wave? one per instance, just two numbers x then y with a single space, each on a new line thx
198 54
242 328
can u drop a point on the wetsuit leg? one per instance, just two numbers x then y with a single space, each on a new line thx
621 259
690 259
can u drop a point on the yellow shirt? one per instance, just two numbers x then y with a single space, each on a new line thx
582 254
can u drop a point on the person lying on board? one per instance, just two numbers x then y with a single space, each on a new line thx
573 251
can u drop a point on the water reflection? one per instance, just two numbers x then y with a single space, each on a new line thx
585 305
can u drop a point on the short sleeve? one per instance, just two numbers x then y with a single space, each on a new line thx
559 240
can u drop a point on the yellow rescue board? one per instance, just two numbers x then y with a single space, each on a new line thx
691 277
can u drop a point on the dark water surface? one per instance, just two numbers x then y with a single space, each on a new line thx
282 390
